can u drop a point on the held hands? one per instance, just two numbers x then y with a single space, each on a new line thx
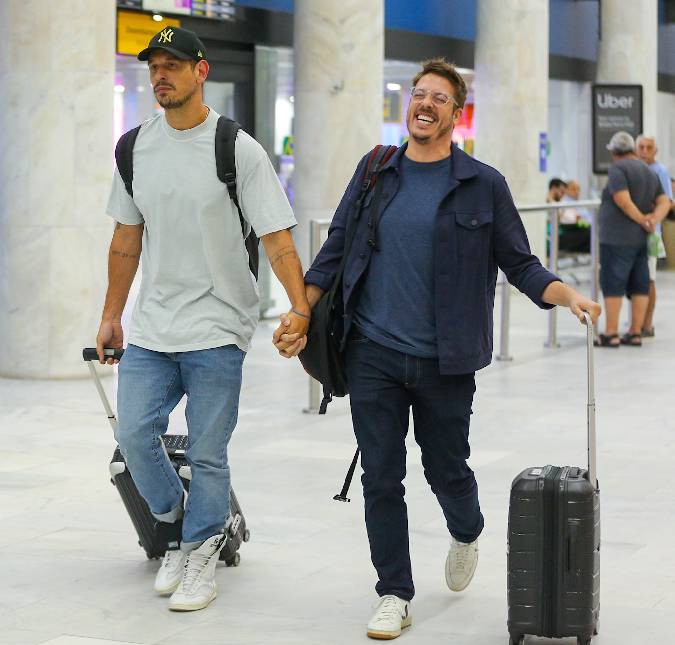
290 337
110 334
648 223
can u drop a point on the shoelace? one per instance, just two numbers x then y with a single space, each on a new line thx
388 610
195 564
460 555
172 558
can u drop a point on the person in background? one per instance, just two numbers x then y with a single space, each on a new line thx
646 150
556 190
575 232
632 203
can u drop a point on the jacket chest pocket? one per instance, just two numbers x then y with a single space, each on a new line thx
473 235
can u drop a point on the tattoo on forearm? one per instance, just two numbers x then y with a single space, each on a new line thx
121 254
286 251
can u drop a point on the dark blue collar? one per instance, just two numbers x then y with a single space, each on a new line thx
463 166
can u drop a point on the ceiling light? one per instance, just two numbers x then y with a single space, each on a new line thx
393 87
119 89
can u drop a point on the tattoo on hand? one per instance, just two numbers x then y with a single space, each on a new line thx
121 254
282 253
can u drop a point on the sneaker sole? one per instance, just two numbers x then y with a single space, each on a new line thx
167 591
185 607
387 636
466 584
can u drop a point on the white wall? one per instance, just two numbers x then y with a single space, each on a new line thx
569 133
665 130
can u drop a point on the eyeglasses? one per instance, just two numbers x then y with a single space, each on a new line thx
440 99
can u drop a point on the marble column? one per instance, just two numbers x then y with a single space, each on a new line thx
629 50
511 100
56 79
338 63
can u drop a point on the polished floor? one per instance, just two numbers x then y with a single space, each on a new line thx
72 573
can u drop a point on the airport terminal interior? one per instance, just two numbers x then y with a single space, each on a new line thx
318 83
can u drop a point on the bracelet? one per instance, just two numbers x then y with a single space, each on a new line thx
297 313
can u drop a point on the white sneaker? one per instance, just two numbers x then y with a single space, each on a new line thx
198 587
391 616
460 564
169 574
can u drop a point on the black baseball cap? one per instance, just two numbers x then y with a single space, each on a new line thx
182 43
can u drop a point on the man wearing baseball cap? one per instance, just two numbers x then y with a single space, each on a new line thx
632 202
197 306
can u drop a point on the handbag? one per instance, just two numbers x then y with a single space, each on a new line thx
323 357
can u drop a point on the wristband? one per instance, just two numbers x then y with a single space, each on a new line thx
297 313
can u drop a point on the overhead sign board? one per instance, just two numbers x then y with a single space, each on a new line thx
615 108
135 30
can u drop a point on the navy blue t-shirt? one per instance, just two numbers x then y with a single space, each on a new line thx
396 305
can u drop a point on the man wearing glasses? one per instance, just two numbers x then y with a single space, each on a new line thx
418 303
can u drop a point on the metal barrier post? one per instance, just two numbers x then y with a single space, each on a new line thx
314 385
552 340
595 256
505 320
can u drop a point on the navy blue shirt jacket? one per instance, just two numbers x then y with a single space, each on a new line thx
477 230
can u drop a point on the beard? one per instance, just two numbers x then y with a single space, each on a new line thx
175 103
424 139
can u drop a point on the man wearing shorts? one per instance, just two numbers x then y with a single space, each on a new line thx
646 150
632 203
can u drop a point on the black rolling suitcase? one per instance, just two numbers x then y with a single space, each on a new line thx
554 544
139 513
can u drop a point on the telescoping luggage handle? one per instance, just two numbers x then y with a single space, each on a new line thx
590 414
90 355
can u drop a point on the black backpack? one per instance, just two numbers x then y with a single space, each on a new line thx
226 136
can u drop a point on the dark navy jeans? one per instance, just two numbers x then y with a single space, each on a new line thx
383 385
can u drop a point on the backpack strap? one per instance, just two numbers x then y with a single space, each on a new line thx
124 157
226 137
375 164
379 155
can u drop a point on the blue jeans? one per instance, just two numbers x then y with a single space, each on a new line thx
383 385
150 386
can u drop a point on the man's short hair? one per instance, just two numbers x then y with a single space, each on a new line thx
441 67
643 136
621 143
556 183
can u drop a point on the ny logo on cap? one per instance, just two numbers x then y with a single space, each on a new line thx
166 35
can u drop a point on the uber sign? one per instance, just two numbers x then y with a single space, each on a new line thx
615 107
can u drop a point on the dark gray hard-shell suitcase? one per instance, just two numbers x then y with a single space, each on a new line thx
139 513
554 544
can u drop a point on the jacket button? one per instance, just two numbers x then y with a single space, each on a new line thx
348 284
362 255
474 222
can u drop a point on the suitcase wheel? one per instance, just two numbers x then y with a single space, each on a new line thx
518 639
247 535
233 561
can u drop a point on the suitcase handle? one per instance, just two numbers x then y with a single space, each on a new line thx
89 355
590 407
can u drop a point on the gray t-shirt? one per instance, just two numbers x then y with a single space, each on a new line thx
643 186
196 290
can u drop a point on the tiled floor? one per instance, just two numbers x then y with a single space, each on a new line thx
72 573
